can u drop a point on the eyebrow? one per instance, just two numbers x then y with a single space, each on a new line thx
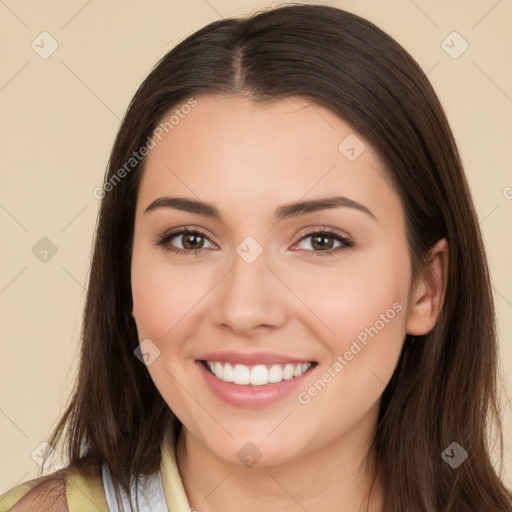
285 211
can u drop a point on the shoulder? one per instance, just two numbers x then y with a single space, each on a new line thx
38 495
70 492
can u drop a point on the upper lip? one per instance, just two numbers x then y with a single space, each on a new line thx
252 358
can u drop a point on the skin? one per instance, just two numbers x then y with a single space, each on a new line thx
247 159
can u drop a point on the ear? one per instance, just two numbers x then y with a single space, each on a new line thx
428 293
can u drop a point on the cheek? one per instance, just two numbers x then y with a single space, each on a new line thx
362 294
153 302
161 299
363 309
369 309
162 296
366 311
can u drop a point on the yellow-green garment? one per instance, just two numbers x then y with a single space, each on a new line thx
85 494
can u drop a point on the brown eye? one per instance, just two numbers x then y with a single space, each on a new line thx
192 241
185 241
323 243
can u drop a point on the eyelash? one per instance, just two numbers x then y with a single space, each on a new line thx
163 241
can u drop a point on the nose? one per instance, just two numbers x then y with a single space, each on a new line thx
250 298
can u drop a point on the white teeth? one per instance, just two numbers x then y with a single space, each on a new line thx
218 370
258 375
227 373
241 374
275 374
288 372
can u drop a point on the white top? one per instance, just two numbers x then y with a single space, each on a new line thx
150 493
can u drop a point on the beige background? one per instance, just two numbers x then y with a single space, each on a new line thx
59 118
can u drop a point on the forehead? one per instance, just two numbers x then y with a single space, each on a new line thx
232 147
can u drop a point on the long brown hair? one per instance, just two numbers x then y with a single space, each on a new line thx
444 388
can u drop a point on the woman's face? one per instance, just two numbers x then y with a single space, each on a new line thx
305 305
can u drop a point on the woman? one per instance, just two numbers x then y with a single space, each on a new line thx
289 304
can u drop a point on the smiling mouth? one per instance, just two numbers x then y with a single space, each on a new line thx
256 375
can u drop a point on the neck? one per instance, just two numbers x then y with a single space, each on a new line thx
336 477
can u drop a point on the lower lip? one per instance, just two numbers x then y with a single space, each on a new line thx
251 396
